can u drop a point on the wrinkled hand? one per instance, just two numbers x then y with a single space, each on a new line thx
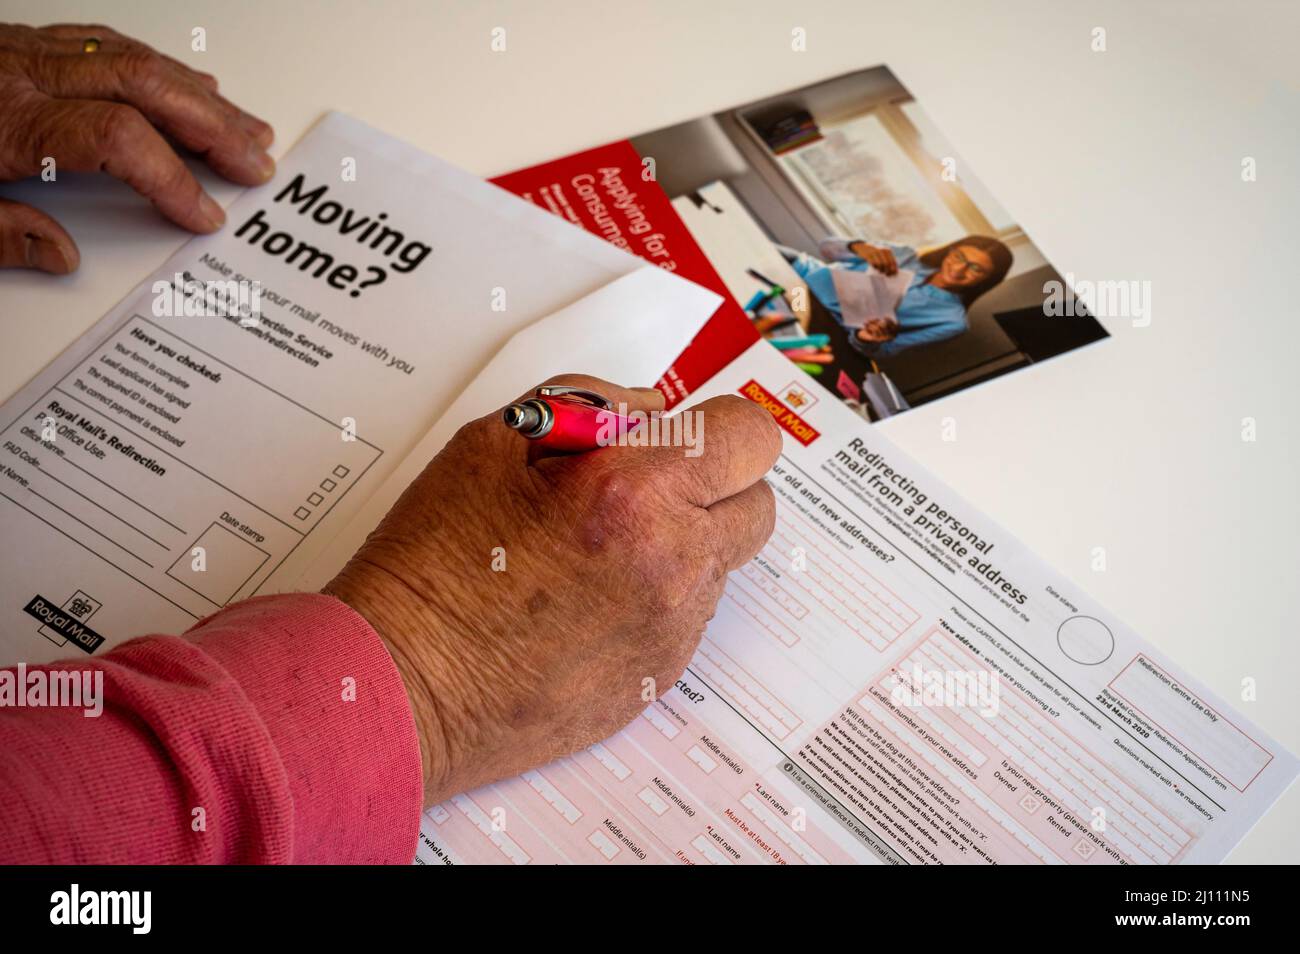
878 330
98 111
875 256
614 562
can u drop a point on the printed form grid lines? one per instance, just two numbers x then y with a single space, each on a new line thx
1069 772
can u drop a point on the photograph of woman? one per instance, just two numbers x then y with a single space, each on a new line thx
927 286
945 283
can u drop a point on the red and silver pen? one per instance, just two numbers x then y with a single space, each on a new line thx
567 419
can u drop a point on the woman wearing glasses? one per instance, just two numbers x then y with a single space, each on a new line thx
945 283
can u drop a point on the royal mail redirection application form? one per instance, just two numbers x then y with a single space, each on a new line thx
894 679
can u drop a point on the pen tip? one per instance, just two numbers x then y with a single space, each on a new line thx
522 417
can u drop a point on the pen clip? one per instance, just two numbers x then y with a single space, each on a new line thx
564 390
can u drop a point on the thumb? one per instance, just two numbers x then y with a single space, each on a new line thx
31 239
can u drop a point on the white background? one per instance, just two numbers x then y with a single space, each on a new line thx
1121 165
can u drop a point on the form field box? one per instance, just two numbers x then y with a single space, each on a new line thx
229 561
702 759
1175 710
711 854
611 761
653 801
437 814
602 844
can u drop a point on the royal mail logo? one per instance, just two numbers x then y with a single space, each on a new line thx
795 395
790 422
67 620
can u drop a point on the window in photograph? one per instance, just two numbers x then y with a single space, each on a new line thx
936 148
862 182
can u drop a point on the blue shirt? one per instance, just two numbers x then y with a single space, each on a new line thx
925 313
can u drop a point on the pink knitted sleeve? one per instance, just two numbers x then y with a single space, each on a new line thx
277 730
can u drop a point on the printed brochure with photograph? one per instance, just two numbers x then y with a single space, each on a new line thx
179 457
788 205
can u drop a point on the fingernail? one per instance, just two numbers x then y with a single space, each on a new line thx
209 209
48 256
262 161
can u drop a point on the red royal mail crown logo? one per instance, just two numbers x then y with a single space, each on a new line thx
792 423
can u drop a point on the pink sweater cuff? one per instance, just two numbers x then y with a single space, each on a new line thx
336 711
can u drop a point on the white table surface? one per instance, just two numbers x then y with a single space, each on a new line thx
1121 165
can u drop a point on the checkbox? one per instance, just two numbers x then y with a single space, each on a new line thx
341 471
327 485
302 513
315 500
